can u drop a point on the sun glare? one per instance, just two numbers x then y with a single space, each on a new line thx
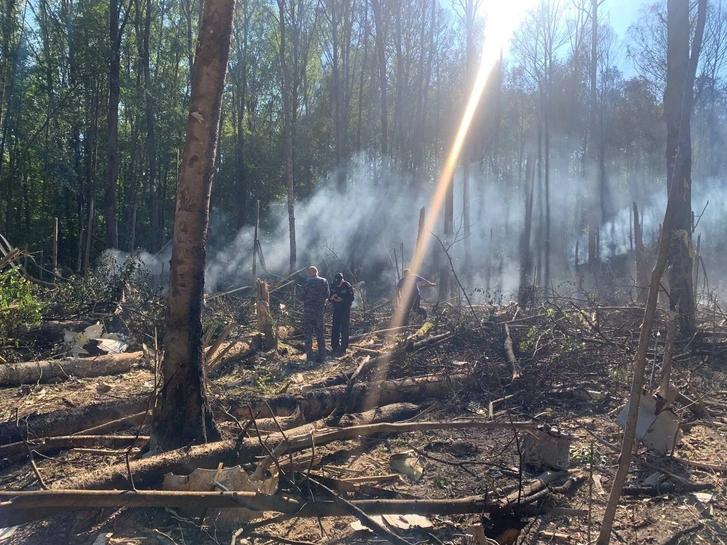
501 19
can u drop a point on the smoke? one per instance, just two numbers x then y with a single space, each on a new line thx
359 228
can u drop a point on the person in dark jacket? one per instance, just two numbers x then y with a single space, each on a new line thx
315 295
408 295
342 298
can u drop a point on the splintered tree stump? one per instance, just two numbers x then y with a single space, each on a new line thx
31 372
265 324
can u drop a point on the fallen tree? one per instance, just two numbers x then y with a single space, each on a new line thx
19 450
70 421
49 332
315 404
308 406
32 372
149 471
18 507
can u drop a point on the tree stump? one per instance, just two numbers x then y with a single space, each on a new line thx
265 324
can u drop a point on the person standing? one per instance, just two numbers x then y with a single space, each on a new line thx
342 298
315 295
408 295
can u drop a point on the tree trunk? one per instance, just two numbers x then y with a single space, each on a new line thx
380 44
678 102
525 291
183 415
30 372
149 116
112 120
265 324
592 208
289 104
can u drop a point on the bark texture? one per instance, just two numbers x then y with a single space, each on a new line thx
183 415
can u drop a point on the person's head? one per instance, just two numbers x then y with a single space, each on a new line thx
406 272
312 271
338 279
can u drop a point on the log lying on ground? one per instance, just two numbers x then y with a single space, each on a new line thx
106 417
149 471
19 450
411 344
315 404
135 419
70 421
386 413
31 372
18 507
49 332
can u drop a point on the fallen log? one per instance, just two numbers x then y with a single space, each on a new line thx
315 404
70 421
17 507
49 332
19 450
31 372
106 417
149 471
120 423
385 413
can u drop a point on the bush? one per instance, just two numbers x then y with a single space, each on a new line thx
18 302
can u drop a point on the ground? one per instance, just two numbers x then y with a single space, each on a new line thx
575 359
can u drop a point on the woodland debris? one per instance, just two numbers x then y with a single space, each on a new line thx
546 448
16 451
17 507
314 404
656 429
510 354
148 471
265 324
69 421
31 372
407 464
49 332
228 479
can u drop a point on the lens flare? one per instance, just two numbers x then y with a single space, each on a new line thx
502 20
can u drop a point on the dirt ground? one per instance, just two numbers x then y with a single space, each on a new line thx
575 364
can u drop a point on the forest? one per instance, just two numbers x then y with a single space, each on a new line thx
500 224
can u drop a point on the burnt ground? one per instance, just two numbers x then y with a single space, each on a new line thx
575 359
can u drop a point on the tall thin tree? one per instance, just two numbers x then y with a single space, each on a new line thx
183 414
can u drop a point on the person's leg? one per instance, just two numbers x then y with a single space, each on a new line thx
336 329
308 327
418 306
345 326
320 335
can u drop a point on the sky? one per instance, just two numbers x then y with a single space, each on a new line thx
621 14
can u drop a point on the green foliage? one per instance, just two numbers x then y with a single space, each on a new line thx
18 302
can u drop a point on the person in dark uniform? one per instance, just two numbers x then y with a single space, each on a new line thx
315 295
342 298
408 295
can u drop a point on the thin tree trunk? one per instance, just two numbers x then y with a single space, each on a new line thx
112 120
183 414
678 102
380 44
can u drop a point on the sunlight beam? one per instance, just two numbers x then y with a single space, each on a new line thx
502 19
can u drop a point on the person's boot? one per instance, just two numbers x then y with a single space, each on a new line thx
321 356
